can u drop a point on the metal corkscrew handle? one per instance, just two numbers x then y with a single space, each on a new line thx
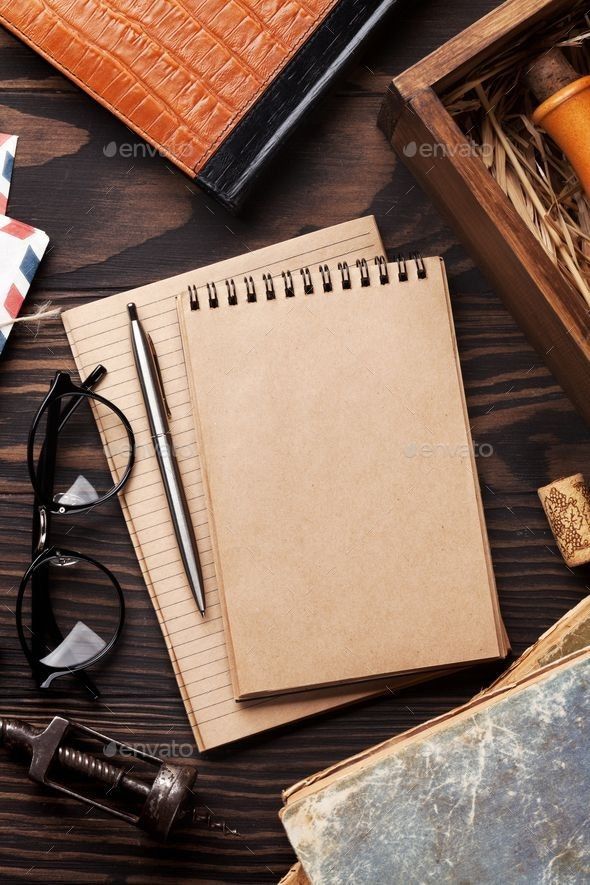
166 800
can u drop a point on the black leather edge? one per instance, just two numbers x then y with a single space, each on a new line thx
229 174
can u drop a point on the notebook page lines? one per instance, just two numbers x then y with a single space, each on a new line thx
146 503
153 305
203 667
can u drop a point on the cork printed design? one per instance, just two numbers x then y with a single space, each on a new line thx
567 506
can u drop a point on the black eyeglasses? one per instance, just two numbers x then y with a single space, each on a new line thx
70 608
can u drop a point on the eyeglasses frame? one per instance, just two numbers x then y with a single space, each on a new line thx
42 480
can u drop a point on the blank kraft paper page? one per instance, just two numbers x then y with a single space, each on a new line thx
347 524
99 332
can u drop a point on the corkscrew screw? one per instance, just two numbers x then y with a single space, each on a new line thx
165 801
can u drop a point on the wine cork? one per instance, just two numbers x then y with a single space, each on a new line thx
549 73
566 503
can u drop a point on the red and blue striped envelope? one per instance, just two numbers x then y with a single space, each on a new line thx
21 247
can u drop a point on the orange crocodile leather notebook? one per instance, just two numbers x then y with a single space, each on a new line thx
216 86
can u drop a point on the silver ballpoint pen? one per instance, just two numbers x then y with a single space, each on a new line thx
150 380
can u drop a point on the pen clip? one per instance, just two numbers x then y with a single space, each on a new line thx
159 374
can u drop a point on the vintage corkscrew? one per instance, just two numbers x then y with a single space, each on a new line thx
167 800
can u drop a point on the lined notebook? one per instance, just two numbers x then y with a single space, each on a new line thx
98 332
347 526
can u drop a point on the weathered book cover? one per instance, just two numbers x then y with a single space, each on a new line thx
571 633
483 794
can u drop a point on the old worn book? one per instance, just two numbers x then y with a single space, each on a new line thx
215 87
570 634
495 791
339 475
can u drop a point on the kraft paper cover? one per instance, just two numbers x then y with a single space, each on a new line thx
348 535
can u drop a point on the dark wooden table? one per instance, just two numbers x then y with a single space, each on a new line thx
120 221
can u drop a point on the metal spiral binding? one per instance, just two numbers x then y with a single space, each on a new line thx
270 291
417 257
193 297
345 274
307 281
362 265
250 290
232 298
402 269
381 263
212 295
269 286
326 277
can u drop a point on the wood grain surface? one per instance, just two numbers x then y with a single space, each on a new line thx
117 218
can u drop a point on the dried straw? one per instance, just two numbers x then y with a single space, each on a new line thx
494 110
43 312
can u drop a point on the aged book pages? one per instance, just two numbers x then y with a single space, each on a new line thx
295 876
570 634
99 332
313 414
482 794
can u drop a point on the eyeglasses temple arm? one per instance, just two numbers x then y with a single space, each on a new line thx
46 466
89 383
55 423
88 684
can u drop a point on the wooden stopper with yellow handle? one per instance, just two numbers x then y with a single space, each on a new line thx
564 112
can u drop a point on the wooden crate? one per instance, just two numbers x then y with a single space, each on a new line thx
551 312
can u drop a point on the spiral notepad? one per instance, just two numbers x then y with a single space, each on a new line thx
345 516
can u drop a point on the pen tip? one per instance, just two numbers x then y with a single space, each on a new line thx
202 610
131 308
